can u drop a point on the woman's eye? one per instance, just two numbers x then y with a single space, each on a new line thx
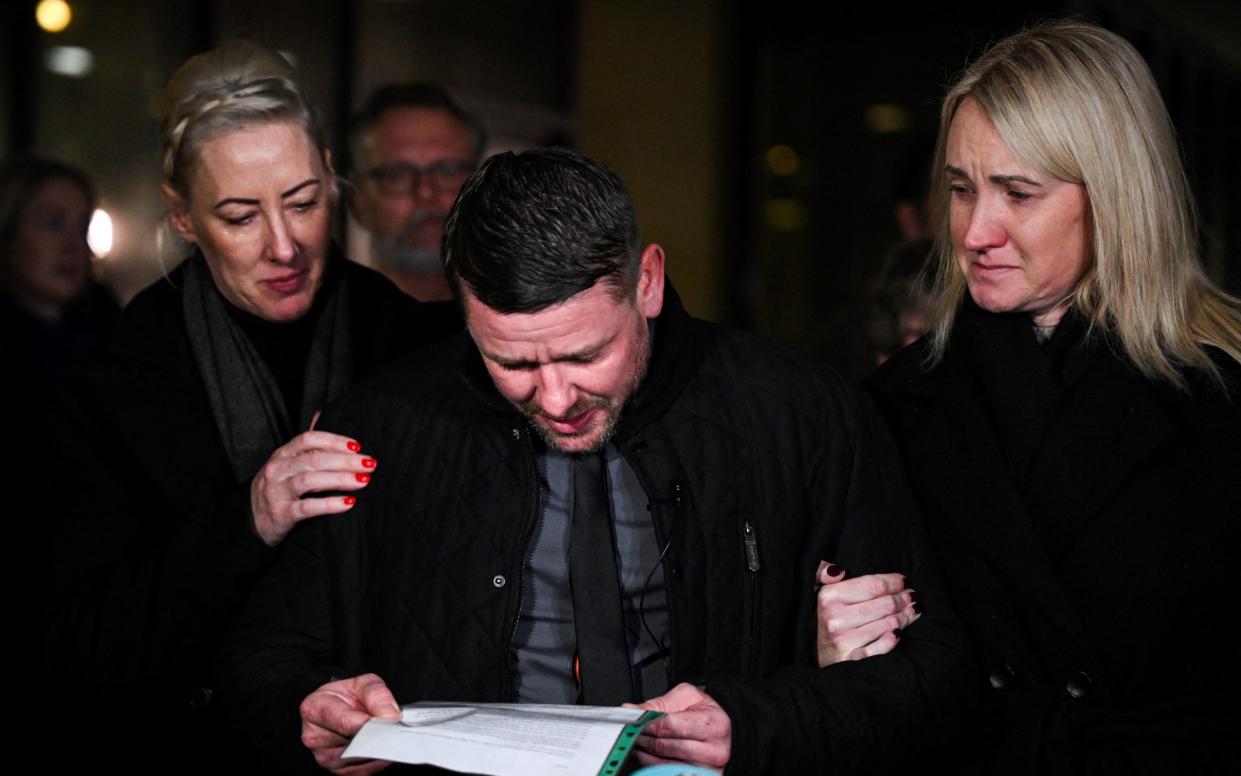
303 207
239 220
1019 196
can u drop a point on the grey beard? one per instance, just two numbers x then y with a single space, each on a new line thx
400 256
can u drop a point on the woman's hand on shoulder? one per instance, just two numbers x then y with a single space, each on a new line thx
282 493
861 617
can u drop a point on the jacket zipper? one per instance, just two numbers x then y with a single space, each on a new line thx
753 566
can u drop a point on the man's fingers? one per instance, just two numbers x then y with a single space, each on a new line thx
688 750
376 698
698 724
339 718
363 768
680 697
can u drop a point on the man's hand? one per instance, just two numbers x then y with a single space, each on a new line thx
861 617
337 710
694 729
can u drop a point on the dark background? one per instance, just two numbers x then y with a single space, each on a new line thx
686 100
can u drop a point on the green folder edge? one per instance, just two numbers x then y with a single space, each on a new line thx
624 742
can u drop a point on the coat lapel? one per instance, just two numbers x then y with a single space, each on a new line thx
963 477
1113 424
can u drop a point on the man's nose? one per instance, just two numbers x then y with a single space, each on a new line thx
555 394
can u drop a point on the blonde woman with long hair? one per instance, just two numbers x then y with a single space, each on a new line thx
1071 424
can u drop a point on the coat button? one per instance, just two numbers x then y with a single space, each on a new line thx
516 433
498 580
1001 677
676 571
1078 685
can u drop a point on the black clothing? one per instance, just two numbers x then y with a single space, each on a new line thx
756 467
1083 516
154 551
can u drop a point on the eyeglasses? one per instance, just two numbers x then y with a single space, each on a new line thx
401 178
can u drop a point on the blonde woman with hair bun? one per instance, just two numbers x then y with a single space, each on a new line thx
195 452
1071 424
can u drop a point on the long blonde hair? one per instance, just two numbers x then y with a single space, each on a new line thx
1077 102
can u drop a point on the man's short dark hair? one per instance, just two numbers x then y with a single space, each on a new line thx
411 95
532 229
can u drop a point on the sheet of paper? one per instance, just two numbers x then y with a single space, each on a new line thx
497 739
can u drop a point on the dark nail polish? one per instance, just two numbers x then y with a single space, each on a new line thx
363 477
354 447
896 634
349 501
369 463
917 608
913 597
834 571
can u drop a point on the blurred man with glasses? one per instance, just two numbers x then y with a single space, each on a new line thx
412 148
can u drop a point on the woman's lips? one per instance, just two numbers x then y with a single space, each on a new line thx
287 284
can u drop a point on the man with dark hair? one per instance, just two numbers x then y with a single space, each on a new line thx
411 148
654 541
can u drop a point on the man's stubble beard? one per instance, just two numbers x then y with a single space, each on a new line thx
398 254
613 414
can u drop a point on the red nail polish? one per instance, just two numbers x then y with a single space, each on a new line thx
349 501
363 477
369 463
354 447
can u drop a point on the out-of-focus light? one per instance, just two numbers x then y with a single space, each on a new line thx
782 160
887 119
53 15
72 61
99 233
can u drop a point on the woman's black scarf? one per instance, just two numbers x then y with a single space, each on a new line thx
246 401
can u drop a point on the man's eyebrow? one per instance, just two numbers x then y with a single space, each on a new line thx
525 363
957 172
243 201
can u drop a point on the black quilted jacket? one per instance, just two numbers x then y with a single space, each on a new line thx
734 439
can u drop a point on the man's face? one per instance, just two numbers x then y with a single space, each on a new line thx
571 368
414 161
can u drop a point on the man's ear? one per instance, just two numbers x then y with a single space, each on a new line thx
650 290
178 213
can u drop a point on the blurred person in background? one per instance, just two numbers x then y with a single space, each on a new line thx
412 147
52 312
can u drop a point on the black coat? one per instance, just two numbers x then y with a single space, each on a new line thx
1085 519
153 550
731 438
